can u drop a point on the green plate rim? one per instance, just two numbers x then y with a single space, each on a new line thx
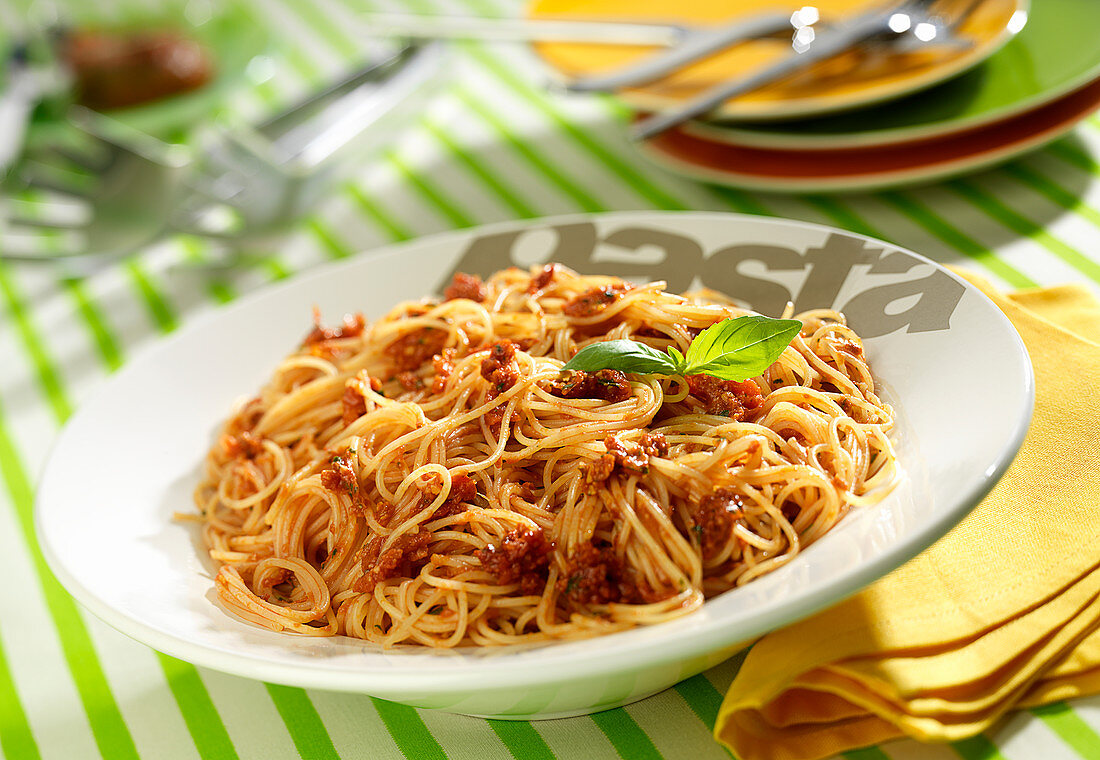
763 137
870 181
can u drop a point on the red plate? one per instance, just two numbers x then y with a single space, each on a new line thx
872 167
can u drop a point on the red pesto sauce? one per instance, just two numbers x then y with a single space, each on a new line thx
594 574
123 69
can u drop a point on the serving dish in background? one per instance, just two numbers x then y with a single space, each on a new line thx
947 358
228 32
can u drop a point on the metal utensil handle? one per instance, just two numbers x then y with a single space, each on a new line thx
371 70
16 105
314 121
824 47
698 44
517 29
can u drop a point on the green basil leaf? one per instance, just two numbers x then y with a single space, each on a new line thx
677 358
623 355
737 349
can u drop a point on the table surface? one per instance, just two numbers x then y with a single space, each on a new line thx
492 145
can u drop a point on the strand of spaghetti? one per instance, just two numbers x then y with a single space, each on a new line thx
434 479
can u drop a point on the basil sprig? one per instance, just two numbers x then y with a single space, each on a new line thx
733 349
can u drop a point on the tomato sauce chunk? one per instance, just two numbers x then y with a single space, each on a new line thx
543 278
244 445
128 68
499 367
340 477
351 327
468 286
714 516
463 492
606 384
595 300
353 403
400 559
633 456
726 398
595 575
410 351
410 381
444 366
624 456
523 557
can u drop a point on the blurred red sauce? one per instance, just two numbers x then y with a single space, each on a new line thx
121 69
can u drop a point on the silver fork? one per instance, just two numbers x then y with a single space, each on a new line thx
240 183
892 24
94 196
273 173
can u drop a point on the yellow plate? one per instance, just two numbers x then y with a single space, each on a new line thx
847 81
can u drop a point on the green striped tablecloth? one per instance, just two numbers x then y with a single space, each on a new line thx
493 145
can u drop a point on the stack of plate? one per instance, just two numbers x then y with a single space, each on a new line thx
1025 77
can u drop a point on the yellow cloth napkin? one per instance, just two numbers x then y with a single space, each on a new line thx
1003 611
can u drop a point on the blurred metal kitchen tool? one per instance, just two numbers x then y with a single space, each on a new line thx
937 29
93 196
696 44
892 23
416 26
25 85
241 183
937 32
274 173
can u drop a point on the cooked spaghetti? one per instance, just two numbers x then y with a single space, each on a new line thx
434 478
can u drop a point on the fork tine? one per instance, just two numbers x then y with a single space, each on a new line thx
219 176
76 151
74 264
45 183
111 132
217 189
93 158
32 244
44 176
223 158
34 202
73 222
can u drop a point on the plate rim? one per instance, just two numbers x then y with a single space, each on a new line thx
899 136
502 672
870 180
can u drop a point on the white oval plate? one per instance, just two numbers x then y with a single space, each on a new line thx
130 457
